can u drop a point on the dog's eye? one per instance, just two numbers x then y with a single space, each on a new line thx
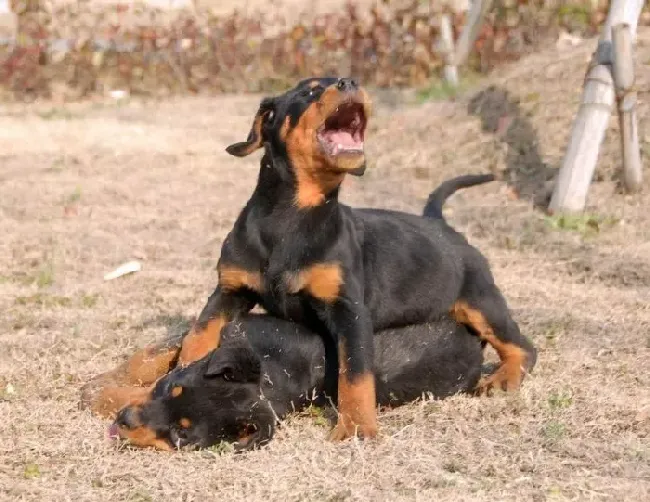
311 92
269 116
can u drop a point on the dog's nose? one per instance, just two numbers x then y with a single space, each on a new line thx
129 418
347 84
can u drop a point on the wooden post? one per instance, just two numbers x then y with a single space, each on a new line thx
623 72
586 136
579 164
447 49
468 36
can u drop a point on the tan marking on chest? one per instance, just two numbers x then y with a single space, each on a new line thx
235 278
322 281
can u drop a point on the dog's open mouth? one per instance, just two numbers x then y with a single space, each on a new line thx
343 130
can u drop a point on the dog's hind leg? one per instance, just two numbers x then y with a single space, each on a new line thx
130 382
484 310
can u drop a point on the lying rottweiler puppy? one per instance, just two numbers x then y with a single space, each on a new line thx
266 368
343 272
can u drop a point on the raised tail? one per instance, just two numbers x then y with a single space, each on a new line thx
437 198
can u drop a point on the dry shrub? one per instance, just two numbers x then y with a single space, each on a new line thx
75 50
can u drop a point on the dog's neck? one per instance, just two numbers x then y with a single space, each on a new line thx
279 187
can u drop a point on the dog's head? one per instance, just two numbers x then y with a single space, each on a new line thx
319 127
214 399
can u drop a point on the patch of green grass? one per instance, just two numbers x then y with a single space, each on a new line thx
139 496
560 400
58 164
554 430
32 471
73 197
89 301
531 97
45 276
317 415
585 224
7 391
21 278
43 300
440 90
222 448
575 12
58 113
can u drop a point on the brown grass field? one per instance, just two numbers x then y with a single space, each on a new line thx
84 188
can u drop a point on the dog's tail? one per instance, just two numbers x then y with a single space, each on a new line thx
437 199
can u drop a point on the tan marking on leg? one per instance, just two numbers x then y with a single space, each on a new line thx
199 342
357 403
513 357
104 393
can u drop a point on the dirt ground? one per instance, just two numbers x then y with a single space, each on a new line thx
87 187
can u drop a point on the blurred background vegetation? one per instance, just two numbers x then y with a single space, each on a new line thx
67 50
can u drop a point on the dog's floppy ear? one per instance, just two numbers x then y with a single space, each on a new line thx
255 138
235 364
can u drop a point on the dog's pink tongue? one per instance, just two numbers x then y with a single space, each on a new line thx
113 432
343 138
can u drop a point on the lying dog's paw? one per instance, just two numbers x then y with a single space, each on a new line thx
507 378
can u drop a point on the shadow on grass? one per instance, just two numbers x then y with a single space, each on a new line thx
526 171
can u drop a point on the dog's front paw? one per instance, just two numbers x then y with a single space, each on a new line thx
506 378
346 429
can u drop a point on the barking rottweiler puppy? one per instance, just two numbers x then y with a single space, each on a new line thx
304 256
266 368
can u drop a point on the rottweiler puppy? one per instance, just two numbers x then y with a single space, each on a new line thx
267 367
306 257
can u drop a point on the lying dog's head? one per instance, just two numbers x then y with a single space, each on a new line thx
319 127
214 399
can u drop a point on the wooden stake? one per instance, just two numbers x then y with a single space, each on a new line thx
447 49
586 136
579 164
623 72
468 36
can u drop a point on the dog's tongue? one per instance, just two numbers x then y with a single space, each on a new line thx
113 432
343 138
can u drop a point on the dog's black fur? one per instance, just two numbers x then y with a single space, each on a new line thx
218 398
343 272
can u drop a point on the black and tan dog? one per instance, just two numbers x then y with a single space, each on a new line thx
266 368
342 272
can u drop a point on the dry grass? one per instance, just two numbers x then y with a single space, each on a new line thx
85 188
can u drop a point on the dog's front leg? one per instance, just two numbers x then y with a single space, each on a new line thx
351 325
222 307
